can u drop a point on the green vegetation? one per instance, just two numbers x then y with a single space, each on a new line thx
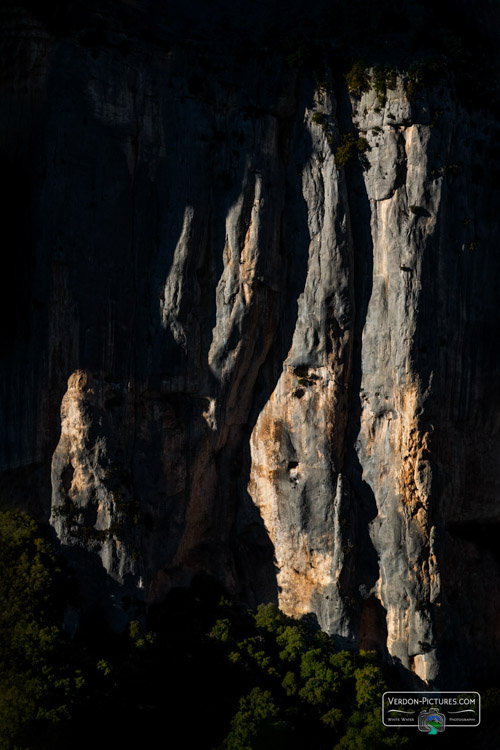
305 379
320 91
391 79
383 78
349 147
37 688
231 678
385 33
357 79
362 144
380 84
319 118
251 680
256 724
303 689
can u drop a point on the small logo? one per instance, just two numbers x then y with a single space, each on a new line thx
431 722
431 710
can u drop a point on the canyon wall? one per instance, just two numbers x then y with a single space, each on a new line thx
225 351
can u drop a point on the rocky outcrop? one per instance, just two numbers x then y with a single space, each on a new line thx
229 353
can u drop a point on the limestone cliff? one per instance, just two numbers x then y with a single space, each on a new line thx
226 351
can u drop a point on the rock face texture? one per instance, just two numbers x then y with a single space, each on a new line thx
226 352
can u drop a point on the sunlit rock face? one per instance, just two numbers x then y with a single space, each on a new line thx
226 352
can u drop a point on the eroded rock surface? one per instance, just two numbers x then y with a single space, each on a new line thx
228 353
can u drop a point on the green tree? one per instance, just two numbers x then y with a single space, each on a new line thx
357 79
366 732
349 147
270 618
370 686
292 640
256 725
36 688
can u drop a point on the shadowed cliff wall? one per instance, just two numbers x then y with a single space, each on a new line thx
225 351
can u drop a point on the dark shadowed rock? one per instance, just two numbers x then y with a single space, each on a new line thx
224 352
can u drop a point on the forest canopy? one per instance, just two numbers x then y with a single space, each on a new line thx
232 678
252 679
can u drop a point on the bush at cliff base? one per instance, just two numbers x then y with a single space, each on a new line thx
36 687
232 678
